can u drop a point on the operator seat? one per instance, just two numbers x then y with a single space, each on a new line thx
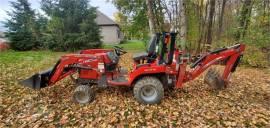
151 54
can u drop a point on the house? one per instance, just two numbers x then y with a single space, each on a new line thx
3 42
109 29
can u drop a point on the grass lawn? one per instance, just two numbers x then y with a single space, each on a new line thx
34 56
10 57
132 45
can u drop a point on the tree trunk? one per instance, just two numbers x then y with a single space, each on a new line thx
151 18
220 22
244 19
202 24
159 15
247 20
210 21
183 19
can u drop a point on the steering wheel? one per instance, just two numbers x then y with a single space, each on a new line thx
119 50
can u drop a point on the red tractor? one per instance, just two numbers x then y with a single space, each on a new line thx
162 66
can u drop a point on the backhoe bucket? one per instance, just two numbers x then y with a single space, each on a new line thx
38 81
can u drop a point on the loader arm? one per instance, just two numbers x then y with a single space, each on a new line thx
63 69
66 66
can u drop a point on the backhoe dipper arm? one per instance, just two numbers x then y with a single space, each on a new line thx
232 56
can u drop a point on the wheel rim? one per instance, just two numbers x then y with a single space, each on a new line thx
148 93
81 97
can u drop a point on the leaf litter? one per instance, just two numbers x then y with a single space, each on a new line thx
245 103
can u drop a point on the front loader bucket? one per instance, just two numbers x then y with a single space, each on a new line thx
38 81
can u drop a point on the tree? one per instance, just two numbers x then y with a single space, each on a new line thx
144 16
200 22
71 26
244 19
202 14
210 21
124 24
136 15
220 21
183 23
22 27
152 24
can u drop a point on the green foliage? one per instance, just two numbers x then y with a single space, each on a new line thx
71 26
18 56
42 23
244 19
257 36
193 27
132 18
259 30
131 45
255 58
146 41
23 29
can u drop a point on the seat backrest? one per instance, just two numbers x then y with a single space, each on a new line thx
152 44
167 48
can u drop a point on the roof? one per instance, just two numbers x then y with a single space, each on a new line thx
104 20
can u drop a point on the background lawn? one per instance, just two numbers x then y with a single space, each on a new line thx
131 45
34 56
9 57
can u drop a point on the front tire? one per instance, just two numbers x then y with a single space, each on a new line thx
84 94
148 90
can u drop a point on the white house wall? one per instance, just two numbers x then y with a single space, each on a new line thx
110 34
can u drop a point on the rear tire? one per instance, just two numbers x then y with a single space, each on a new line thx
84 94
148 90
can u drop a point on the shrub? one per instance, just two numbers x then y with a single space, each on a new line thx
254 57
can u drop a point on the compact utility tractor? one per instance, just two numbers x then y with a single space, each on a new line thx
162 66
